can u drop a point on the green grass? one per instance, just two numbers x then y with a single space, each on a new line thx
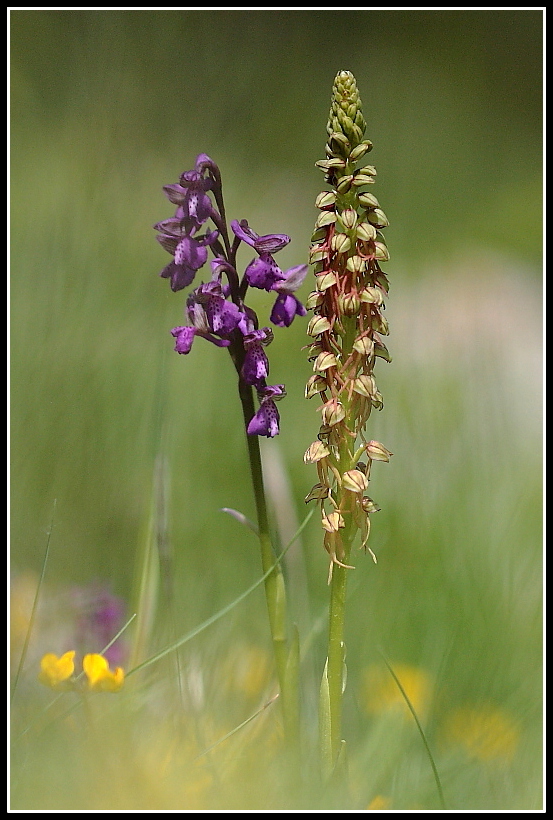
97 395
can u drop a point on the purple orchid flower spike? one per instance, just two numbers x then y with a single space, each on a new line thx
217 310
287 306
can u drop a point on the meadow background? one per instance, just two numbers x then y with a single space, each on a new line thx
127 438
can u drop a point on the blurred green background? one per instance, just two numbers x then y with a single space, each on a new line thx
109 106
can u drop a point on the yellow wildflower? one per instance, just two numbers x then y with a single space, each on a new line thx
485 732
55 672
379 803
380 693
100 677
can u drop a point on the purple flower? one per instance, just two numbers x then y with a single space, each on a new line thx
191 196
270 243
185 337
266 421
263 272
190 252
100 616
208 309
256 364
287 306
212 316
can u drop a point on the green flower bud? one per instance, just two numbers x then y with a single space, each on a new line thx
349 303
361 179
326 200
357 132
314 300
348 218
368 200
365 232
333 521
315 385
315 452
360 150
325 360
344 184
326 280
333 412
378 218
317 493
338 144
325 218
317 325
377 452
371 296
355 481
364 345
340 243
381 252
365 385
346 123
356 264
327 164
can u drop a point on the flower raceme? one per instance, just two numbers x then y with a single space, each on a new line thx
216 310
58 673
347 326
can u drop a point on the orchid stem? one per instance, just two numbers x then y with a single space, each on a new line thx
275 593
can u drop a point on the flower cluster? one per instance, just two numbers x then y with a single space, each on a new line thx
347 326
58 673
216 310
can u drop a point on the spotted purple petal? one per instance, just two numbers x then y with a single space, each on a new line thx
263 272
256 365
266 420
184 337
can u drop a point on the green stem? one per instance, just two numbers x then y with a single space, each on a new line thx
337 609
275 593
335 668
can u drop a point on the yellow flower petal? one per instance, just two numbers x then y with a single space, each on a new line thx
380 693
100 677
486 732
54 671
